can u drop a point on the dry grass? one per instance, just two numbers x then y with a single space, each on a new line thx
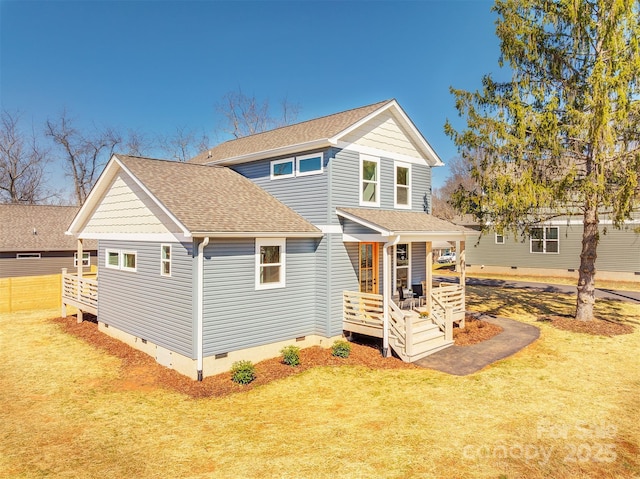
564 407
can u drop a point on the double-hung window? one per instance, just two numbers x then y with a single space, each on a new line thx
86 259
544 239
402 182
403 262
165 260
270 263
369 181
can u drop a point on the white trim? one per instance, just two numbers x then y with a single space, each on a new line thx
155 237
282 151
28 255
108 265
496 238
135 260
164 260
361 180
396 165
308 157
544 240
259 234
84 253
362 222
395 265
363 238
281 243
337 229
291 160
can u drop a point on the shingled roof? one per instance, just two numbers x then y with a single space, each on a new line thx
38 228
408 222
302 133
211 199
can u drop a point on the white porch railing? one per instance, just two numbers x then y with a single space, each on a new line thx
80 292
448 296
362 313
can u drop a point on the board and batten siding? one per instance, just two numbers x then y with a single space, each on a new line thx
50 262
618 251
237 316
306 195
145 303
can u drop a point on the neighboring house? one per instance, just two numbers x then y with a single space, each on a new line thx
291 236
33 241
553 249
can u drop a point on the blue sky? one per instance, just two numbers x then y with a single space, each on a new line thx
154 65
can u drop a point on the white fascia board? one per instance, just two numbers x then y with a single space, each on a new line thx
434 236
364 238
282 151
154 237
431 156
336 229
257 234
98 190
364 223
177 222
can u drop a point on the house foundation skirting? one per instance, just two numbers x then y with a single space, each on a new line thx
211 366
551 272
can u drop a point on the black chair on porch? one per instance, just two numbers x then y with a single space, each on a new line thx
418 293
404 296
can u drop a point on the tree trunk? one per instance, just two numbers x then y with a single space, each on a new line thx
587 272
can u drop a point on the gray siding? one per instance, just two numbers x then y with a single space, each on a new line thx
344 277
307 195
146 304
50 262
618 251
418 262
237 316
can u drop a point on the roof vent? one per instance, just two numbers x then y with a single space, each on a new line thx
34 231
209 154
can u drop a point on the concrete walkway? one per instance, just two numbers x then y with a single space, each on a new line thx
463 360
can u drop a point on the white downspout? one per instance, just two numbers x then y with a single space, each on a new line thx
386 294
200 285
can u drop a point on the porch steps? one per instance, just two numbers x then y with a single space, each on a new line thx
427 339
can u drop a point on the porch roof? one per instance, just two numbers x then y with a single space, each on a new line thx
398 222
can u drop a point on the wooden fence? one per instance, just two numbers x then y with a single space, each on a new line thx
30 292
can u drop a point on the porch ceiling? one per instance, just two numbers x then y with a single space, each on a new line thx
405 223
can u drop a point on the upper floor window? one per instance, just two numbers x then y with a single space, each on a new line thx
119 259
86 259
544 239
403 185
370 181
270 263
282 168
165 260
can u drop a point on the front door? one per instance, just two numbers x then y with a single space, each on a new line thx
368 268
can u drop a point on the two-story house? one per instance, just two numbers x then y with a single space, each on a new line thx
290 236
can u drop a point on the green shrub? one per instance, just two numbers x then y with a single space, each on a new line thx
290 355
243 372
341 349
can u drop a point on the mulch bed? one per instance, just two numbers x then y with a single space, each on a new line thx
596 327
475 331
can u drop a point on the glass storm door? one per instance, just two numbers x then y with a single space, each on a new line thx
368 268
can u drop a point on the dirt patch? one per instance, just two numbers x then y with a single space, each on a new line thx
596 327
475 331
140 372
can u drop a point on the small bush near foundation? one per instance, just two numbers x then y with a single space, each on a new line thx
243 372
290 355
341 349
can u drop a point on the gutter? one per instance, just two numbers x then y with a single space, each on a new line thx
200 325
386 294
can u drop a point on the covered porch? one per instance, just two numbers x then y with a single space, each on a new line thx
395 256
79 288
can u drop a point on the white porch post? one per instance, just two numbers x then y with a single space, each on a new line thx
429 274
79 273
386 293
463 277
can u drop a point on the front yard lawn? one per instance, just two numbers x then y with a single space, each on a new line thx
566 406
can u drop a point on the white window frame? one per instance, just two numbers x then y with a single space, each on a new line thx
164 260
361 181
395 267
28 255
307 157
106 258
281 242
126 268
544 240
501 236
278 162
86 259
396 165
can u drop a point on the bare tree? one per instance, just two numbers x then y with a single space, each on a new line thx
459 179
246 115
84 154
183 143
22 163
